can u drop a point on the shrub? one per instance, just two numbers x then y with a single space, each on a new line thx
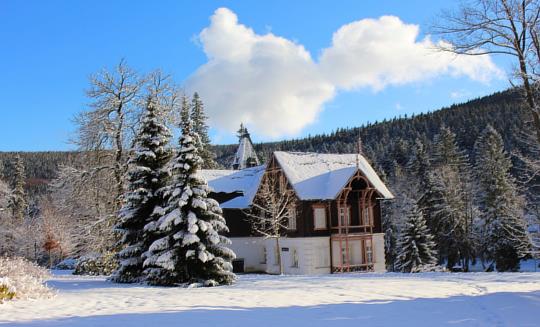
22 279
7 291
66 264
429 268
96 264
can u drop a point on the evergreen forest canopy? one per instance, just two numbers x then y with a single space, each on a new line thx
384 143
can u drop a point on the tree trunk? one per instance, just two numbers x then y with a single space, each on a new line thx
530 97
279 256
119 154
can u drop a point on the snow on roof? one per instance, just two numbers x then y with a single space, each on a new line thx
230 181
321 176
245 150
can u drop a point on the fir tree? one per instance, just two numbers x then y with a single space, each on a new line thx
191 249
200 127
19 205
419 166
416 247
184 113
145 176
449 201
504 229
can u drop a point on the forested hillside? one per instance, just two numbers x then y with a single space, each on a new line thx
384 142
390 140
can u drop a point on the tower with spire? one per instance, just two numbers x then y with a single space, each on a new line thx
245 156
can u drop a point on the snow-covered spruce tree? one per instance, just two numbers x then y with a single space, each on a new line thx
504 229
449 205
185 113
145 176
200 127
419 166
191 249
18 199
415 246
392 214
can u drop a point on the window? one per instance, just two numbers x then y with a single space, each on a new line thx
369 252
345 216
294 258
291 224
367 214
319 217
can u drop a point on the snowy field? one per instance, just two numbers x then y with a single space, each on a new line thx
430 299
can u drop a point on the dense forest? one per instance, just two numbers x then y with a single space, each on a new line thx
390 140
385 143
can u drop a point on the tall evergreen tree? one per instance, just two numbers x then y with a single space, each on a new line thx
504 229
191 249
19 205
185 113
415 246
450 201
199 118
145 177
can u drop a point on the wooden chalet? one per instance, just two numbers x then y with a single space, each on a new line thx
335 224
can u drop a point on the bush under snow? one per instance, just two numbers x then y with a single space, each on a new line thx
22 279
96 264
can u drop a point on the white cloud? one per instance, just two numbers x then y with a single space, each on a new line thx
273 85
266 81
380 52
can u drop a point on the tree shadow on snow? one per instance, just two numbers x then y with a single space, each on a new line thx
497 309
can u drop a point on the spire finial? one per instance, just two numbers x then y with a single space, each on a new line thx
359 150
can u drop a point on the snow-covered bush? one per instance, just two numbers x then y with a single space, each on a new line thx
429 268
7 291
66 264
96 264
22 279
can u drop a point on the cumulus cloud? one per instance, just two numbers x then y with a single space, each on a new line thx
265 81
380 52
273 84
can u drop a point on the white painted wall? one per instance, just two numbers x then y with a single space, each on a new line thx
251 249
313 254
378 252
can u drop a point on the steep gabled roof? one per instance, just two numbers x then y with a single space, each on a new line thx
245 151
245 181
320 176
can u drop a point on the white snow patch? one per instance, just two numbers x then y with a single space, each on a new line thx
425 299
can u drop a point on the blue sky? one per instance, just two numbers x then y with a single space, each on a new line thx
49 48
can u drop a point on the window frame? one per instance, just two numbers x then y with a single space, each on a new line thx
347 212
315 207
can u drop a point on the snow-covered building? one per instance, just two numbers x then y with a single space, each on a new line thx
335 225
245 156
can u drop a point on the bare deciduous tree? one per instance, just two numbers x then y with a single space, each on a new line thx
84 197
500 27
272 209
106 129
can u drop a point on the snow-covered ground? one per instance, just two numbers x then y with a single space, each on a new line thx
430 299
